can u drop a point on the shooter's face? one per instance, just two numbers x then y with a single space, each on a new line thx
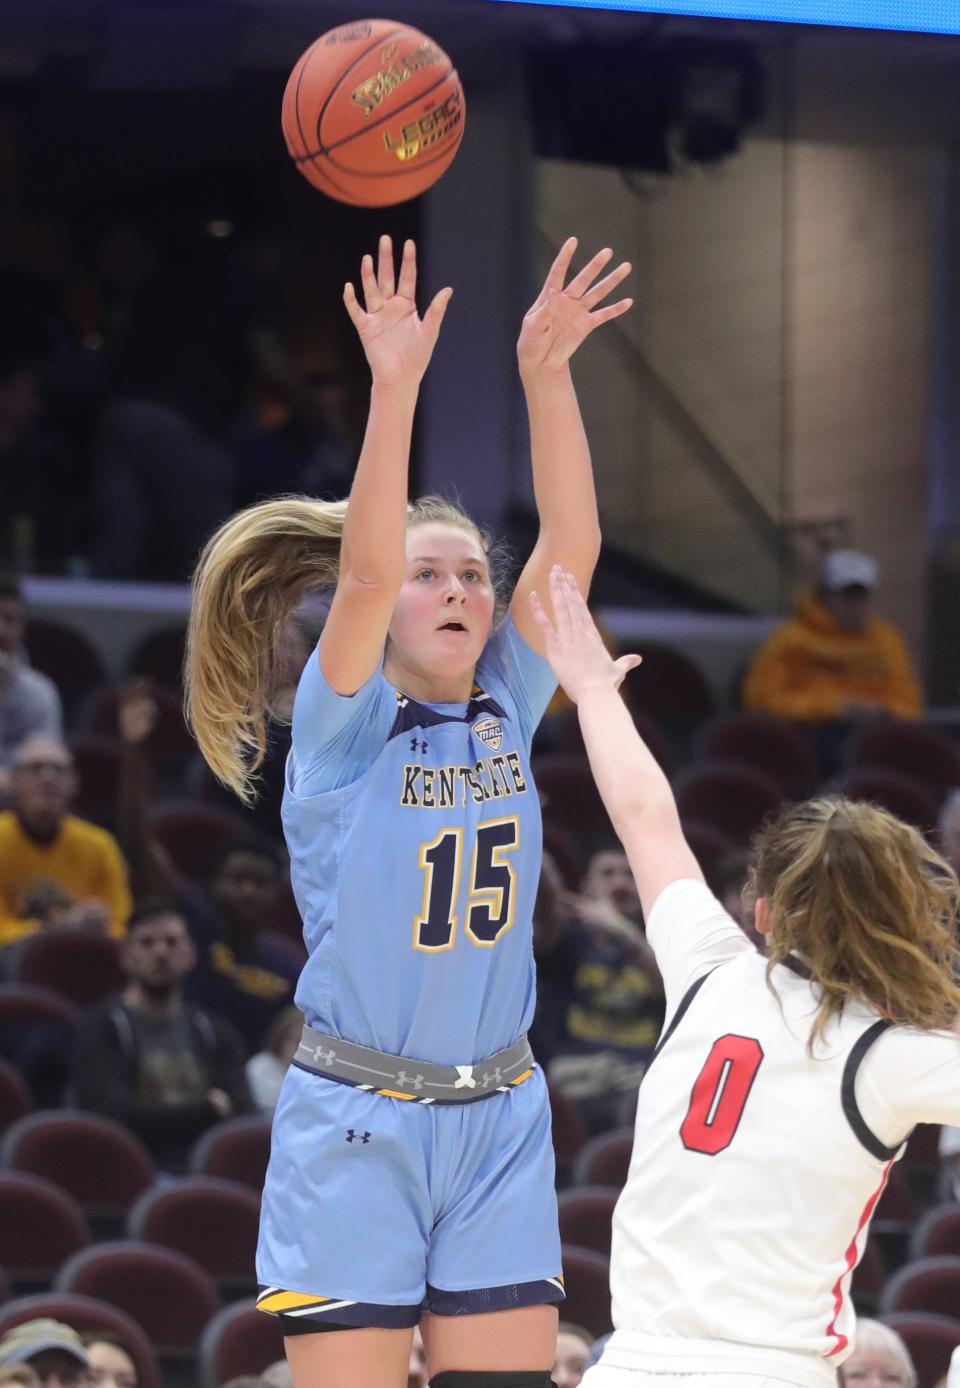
444 611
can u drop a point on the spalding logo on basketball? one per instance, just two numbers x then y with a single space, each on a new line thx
373 113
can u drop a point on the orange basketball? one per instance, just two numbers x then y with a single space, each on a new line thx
373 113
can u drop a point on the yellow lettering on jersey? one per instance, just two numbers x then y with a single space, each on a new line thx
444 787
429 774
409 796
448 786
513 761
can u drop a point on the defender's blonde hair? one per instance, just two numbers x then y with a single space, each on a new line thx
869 906
250 576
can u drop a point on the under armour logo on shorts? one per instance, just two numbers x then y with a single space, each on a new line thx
357 1137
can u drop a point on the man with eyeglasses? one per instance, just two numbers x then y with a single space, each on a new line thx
56 871
53 1351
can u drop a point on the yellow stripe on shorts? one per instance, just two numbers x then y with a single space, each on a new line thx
288 1301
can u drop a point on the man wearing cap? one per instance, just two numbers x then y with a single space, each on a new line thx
53 1351
834 662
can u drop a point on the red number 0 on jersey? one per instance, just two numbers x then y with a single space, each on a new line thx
720 1093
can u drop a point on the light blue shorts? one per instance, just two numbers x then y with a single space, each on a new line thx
376 1210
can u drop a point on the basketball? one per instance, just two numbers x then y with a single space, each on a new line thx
373 113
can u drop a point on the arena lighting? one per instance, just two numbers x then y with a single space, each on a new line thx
912 16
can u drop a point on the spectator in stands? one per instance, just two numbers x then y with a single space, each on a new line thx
243 973
29 702
53 1351
573 1351
20 1377
111 1363
608 879
266 1069
279 1375
835 663
879 1360
948 829
600 998
56 871
165 1069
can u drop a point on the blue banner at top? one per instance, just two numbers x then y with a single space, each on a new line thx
916 16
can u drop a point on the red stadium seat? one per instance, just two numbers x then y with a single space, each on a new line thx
66 656
22 1006
197 837
82 968
97 762
36 1034
937 1234
167 1294
565 736
929 1284
733 797
98 1162
568 854
922 753
902 796
776 747
86 1314
586 1281
605 1160
170 744
586 1213
569 797
708 844
213 1222
160 656
568 1131
239 1340
15 1098
236 1150
40 1227
930 1341
921 1161
868 1280
670 689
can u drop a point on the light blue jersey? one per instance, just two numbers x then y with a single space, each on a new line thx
415 840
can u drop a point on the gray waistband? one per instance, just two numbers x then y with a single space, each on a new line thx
416 1080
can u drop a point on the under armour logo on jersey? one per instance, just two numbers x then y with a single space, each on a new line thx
465 1080
357 1137
414 744
321 1056
406 1081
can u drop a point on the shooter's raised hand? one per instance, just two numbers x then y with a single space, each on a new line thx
560 318
398 343
573 645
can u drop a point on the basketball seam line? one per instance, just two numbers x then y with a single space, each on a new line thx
373 173
384 38
388 116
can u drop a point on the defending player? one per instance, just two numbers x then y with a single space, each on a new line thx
411 1168
782 1089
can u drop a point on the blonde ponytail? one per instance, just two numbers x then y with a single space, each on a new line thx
250 576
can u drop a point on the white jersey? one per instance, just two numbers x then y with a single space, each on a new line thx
756 1167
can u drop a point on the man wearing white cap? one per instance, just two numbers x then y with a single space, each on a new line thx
53 1350
834 662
